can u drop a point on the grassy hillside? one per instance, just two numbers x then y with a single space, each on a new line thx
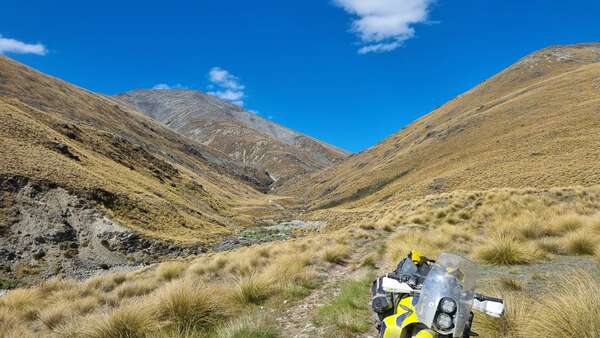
137 171
535 124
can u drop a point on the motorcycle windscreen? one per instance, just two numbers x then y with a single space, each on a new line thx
451 277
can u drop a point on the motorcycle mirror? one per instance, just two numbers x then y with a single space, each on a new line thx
394 286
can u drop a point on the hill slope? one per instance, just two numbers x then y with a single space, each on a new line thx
535 124
79 171
245 137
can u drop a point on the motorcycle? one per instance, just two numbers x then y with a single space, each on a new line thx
439 304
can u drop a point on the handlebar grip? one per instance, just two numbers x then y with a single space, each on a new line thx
483 298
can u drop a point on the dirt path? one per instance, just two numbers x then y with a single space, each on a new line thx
297 320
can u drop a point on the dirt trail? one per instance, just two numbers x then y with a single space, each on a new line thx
297 320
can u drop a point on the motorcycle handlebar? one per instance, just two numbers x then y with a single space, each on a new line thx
483 298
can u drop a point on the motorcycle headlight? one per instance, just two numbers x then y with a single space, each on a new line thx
443 321
448 305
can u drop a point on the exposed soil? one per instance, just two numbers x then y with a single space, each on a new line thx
47 231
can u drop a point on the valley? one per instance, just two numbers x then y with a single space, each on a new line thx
169 213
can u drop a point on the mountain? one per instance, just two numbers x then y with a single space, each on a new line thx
535 124
86 177
243 136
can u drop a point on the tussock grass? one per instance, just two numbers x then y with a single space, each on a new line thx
568 223
249 326
511 284
170 270
370 261
580 243
504 250
56 315
512 323
135 288
252 290
336 254
188 307
134 320
8 320
23 301
549 245
570 309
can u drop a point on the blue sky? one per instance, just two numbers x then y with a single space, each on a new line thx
350 72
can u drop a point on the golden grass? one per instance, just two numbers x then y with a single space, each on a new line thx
135 288
511 284
504 250
133 320
249 326
580 243
188 307
252 289
336 254
570 309
512 323
170 270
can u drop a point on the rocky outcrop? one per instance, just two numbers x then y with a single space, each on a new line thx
48 231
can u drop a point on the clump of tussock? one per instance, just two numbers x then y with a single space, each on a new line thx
369 261
568 223
549 245
511 324
579 243
253 289
570 309
428 242
511 284
249 326
135 288
336 254
25 302
8 320
505 250
170 270
57 314
133 320
185 306
291 275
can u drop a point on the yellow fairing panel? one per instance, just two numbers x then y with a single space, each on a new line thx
394 325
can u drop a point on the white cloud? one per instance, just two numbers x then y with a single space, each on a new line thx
226 86
161 86
166 86
15 46
384 25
